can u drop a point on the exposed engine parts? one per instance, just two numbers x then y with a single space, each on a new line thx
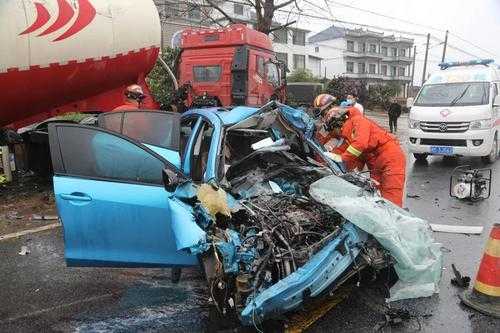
269 238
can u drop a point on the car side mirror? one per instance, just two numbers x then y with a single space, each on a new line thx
496 101
170 180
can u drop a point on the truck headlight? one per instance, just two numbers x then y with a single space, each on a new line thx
412 123
481 124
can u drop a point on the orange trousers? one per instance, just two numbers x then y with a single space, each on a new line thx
388 167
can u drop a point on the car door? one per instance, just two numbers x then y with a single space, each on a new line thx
157 130
113 205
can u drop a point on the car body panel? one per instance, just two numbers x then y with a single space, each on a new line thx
170 155
122 225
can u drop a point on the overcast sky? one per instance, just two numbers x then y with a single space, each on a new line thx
477 21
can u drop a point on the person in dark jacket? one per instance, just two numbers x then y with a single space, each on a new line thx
394 113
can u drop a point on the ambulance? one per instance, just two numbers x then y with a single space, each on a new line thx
456 112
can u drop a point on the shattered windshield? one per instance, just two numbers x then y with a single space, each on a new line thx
454 94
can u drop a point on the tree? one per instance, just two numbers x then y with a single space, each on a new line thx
264 11
341 86
380 95
160 82
302 75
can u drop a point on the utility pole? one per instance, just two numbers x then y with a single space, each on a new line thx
425 59
413 67
445 44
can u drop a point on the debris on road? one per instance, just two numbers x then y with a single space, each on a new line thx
28 232
24 251
457 229
14 215
413 196
42 217
459 280
396 318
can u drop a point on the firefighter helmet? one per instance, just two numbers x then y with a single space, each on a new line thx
323 101
335 118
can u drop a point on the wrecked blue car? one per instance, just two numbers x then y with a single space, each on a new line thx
159 189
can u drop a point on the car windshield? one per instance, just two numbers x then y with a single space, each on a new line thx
454 94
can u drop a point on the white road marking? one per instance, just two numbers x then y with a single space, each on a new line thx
29 232
57 307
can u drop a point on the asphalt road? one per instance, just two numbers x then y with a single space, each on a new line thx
39 294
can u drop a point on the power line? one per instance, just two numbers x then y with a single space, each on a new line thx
394 30
385 16
371 26
476 46
411 23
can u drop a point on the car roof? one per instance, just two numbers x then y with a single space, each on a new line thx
228 117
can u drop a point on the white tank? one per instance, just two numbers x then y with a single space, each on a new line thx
54 52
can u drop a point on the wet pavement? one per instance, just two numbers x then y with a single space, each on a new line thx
40 294
442 312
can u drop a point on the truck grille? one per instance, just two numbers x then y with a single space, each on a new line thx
443 127
443 142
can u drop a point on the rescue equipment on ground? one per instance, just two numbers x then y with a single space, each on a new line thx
470 184
485 295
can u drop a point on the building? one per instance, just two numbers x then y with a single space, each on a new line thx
365 55
176 16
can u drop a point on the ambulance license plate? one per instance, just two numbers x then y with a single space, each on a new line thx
442 150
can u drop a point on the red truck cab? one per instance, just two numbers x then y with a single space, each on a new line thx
228 66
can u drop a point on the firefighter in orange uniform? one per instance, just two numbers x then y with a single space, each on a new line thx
366 142
134 96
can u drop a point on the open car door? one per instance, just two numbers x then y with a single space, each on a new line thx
157 130
110 195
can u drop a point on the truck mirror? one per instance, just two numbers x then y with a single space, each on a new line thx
496 101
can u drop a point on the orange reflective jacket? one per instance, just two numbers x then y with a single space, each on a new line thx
363 140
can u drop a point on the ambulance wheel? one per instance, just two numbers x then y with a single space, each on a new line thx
492 157
420 157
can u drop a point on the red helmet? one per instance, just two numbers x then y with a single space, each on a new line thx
323 101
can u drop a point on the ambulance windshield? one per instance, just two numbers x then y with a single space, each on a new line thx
454 94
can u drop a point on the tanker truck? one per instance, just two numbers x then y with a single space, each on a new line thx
60 56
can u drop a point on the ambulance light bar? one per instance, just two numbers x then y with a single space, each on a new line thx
485 62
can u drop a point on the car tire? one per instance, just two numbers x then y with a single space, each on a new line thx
493 155
420 157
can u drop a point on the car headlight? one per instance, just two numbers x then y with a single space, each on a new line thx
481 124
412 123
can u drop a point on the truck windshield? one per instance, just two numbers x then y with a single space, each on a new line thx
454 94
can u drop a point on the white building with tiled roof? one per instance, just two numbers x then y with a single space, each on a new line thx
365 55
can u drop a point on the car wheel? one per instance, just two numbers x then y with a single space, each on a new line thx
420 157
492 157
